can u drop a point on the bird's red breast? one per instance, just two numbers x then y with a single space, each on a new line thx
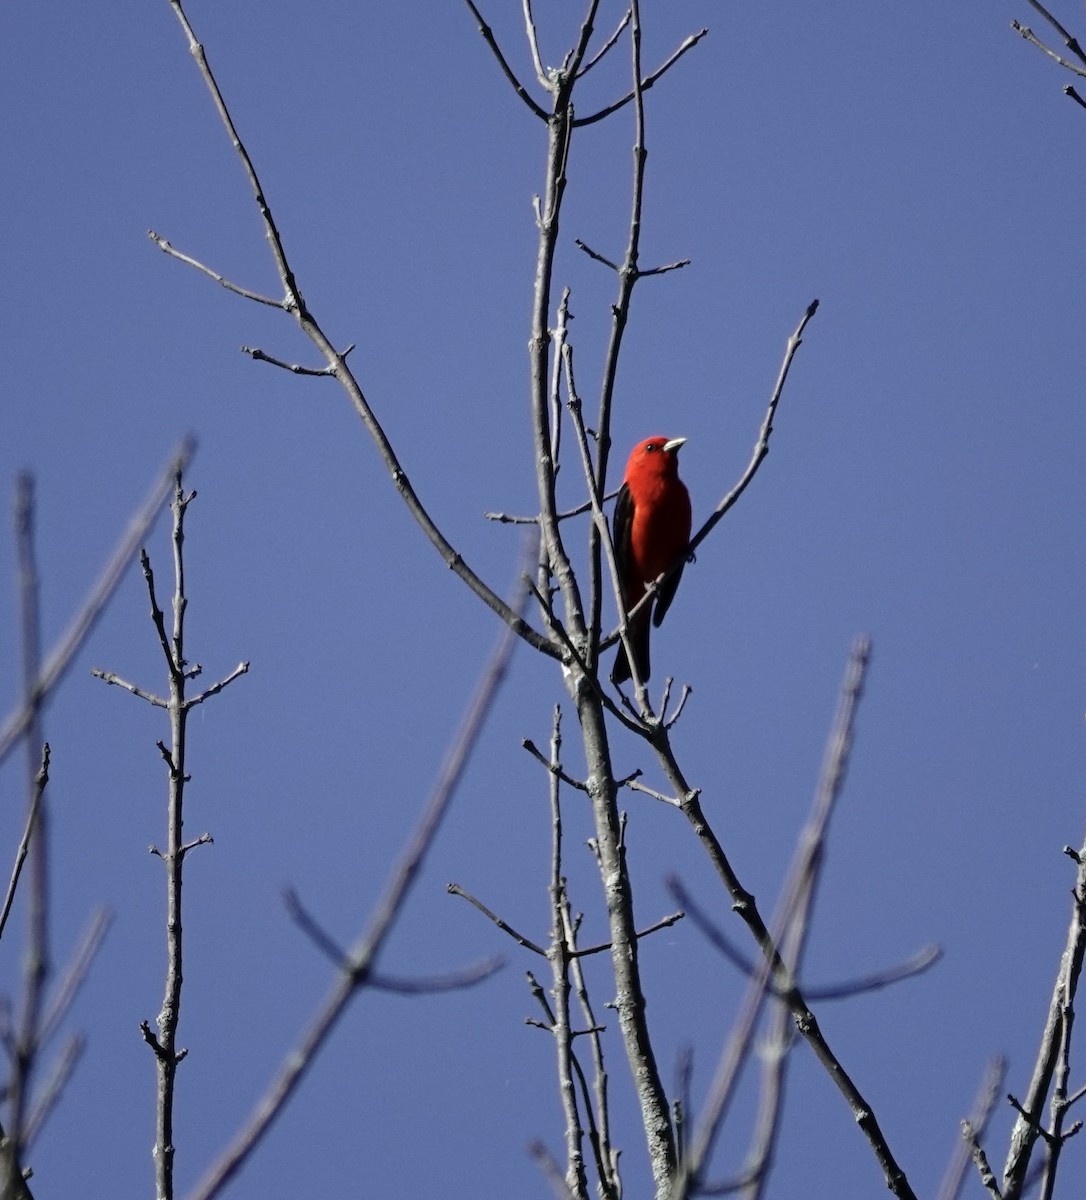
651 530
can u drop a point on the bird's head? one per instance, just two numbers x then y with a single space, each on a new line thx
655 456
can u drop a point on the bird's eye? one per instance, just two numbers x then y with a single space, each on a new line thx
652 446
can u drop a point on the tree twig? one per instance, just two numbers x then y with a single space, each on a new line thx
1027 1127
24 842
507 70
973 1131
645 83
35 845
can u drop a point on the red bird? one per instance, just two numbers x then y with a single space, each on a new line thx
652 529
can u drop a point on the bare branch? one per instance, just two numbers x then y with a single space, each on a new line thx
165 246
1028 1126
205 839
116 681
607 45
241 669
973 1131
563 941
165 1046
445 982
1069 41
507 70
35 845
663 923
595 1102
923 960
448 981
551 1171
761 447
293 300
1032 38
258 355
596 256
316 932
635 785
454 889
554 768
533 44
646 83
24 842
664 268
579 510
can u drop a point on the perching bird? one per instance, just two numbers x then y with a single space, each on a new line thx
651 530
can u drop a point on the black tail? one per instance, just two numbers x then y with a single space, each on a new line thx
639 640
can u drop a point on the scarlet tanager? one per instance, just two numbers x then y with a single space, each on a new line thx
651 530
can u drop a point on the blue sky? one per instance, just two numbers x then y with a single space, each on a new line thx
914 167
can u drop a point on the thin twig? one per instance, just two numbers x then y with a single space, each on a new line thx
761 446
24 842
594 1099
312 928
241 669
1033 39
607 45
36 962
646 83
1059 1102
922 961
579 510
597 1109
1069 40
974 1129
108 677
1028 1125
189 261
258 355
664 923
533 44
507 70
454 889
559 955
551 1171
554 768
987 1175
445 981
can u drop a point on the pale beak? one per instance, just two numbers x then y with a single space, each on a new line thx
673 445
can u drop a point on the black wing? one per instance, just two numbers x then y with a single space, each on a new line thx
639 632
621 533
